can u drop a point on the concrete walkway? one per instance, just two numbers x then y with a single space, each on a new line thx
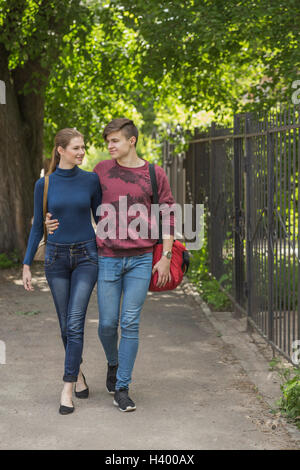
191 384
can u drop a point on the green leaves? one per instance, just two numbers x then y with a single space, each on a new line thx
8 260
33 29
289 403
207 286
151 58
217 52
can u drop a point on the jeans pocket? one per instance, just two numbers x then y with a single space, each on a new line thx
50 256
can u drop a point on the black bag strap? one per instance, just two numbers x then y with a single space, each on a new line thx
153 183
185 261
155 196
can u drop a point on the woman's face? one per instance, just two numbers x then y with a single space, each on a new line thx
74 152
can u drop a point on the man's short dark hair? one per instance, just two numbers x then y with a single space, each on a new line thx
121 124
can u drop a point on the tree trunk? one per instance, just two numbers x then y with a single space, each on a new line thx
21 152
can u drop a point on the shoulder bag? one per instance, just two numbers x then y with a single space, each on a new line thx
180 257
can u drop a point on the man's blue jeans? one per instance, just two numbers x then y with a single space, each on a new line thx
130 276
71 271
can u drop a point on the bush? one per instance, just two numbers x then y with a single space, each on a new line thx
8 260
207 286
289 403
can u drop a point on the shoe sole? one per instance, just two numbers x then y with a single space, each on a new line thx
112 392
129 408
65 413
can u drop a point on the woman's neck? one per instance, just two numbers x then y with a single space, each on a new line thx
66 166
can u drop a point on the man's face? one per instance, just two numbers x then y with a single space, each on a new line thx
118 144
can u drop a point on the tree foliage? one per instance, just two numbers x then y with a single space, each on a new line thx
31 31
168 64
203 45
150 58
108 58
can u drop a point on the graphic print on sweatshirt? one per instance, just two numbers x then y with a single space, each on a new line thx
123 189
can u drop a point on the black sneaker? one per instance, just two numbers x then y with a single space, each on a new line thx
123 401
111 378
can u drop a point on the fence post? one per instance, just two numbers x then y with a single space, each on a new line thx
298 240
270 202
215 241
249 215
217 173
238 197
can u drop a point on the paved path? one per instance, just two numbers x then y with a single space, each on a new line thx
191 391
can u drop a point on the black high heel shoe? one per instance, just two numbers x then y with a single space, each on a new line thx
84 393
66 410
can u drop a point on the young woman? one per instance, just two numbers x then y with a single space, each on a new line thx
71 261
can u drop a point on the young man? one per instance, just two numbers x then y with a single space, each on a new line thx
125 258
124 253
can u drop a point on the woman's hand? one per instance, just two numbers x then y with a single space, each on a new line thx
51 225
27 278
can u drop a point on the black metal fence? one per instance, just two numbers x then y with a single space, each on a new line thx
247 177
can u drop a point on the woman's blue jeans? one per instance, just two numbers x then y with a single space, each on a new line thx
71 271
130 276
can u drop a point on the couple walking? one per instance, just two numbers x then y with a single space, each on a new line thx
76 258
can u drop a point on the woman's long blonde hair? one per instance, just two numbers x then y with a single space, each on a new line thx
62 139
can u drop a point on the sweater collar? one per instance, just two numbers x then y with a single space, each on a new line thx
67 173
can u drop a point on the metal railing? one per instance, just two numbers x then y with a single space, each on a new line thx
247 177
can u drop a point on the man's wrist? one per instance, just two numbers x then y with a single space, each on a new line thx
167 254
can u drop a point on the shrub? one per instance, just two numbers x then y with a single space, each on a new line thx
289 402
8 260
207 286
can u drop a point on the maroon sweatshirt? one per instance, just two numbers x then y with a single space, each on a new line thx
117 235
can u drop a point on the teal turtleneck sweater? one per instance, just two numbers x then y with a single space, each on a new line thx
71 196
